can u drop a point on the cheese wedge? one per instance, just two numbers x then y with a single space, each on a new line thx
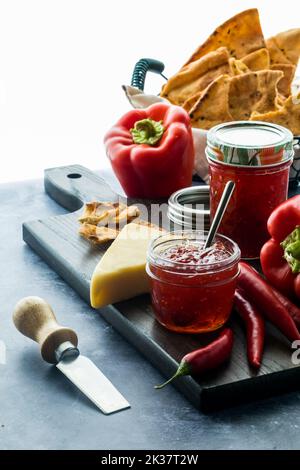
121 273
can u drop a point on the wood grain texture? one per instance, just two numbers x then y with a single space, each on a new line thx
57 241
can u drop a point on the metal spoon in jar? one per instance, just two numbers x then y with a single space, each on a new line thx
227 193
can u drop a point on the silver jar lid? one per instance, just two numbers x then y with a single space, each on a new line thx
189 208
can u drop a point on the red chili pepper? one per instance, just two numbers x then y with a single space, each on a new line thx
293 310
259 290
207 358
152 151
255 326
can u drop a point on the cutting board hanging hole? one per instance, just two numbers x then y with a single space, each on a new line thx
74 176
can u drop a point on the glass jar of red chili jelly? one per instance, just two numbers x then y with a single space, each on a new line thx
257 157
192 288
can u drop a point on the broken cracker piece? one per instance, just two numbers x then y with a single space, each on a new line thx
101 221
97 235
126 216
96 212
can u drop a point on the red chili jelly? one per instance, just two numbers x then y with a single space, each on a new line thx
257 157
258 191
191 288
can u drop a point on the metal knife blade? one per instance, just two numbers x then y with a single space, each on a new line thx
34 318
93 383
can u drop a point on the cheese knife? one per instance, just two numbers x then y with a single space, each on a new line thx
34 318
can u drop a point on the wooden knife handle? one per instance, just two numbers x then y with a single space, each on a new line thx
34 318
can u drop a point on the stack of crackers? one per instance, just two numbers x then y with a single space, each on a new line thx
238 75
101 222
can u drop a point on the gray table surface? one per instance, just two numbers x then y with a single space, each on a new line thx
40 409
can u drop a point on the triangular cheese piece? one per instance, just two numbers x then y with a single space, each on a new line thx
121 273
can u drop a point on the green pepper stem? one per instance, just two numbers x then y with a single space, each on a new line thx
147 131
294 249
291 247
183 369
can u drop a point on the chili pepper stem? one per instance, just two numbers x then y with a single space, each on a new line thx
183 369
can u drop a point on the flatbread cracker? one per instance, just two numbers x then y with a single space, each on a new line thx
100 235
97 235
241 34
124 217
96 213
102 221
253 91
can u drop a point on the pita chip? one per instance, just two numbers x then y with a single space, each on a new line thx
257 60
190 102
253 91
212 106
196 76
237 67
241 35
284 48
276 55
285 83
288 116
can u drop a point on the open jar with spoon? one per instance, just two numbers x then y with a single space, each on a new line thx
192 288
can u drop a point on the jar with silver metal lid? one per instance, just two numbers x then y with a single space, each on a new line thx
189 208
257 156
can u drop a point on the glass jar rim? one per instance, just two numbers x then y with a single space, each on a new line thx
189 286
198 268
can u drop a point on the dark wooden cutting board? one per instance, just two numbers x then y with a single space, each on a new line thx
57 241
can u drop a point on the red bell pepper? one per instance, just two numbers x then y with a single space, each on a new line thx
280 256
151 151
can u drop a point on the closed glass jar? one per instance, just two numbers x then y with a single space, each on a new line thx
257 157
189 297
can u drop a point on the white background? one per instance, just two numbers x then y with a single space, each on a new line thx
62 64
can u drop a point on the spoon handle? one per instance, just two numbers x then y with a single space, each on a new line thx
227 193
